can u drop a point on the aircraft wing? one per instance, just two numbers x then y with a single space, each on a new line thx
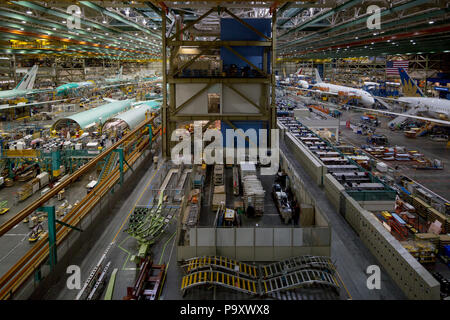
382 102
110 100
388 99
34 91
443 122
116 85
313 90
325 93
7 106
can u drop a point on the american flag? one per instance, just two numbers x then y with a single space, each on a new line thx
392 66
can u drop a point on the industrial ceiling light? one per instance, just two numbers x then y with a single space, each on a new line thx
23 21
104 21
54 28
431 22
64 21
88 29
29 12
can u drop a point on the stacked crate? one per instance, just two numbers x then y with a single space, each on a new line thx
253 194
246 169
219 175
421 206
423 251
219 196
25 192
430 237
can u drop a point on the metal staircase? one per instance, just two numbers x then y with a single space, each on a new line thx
398 120
223 279
298 263
110 163
264 280
297 279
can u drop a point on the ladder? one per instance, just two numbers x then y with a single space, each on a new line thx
297 279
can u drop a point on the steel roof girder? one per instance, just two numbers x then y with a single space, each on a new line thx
405 6
119 18
322 15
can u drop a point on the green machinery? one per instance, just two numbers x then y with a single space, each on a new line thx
148 223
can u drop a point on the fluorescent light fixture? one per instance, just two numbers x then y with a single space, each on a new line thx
431 22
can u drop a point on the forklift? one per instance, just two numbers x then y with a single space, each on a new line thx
36 233
377 139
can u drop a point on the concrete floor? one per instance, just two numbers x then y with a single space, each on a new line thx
110 232
14 244
436 180
350 255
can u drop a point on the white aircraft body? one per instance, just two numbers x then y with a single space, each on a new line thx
420 107
365 97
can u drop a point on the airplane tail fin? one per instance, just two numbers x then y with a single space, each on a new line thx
27 82
318 78
299 71
409 86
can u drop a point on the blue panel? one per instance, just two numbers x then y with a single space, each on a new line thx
244 125
231 29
